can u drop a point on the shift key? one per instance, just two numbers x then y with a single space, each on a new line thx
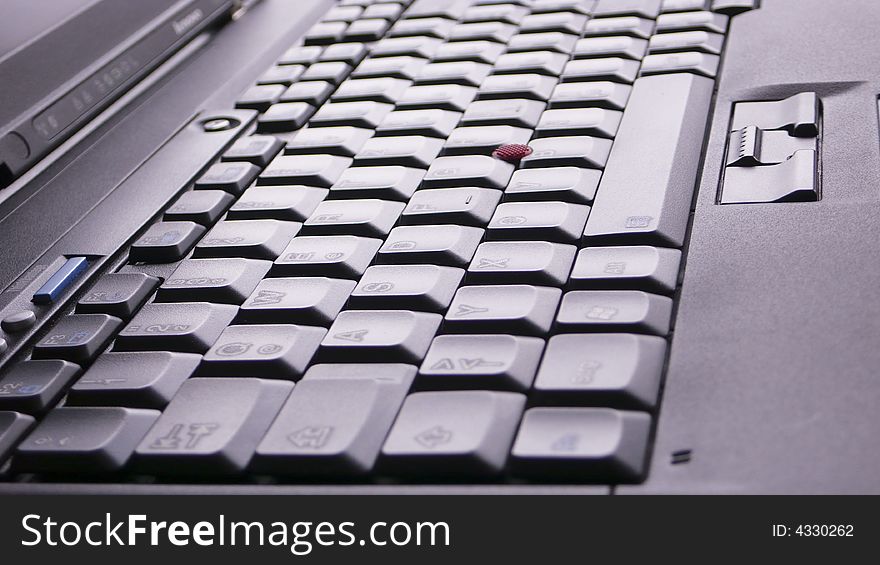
646 191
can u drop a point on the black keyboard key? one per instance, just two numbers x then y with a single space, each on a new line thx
494 362
581 444
391 182
306 300
292 203
646 190
143 379
532 262
414 287
165 242
515 309
335 420
84 440
280 351
636 267
13 427
601 370
260 97
255 149
187 327
576 151
550 221
200 206
314 93
77 337
231 177
212 426
344 141
227 281
615 310
284 117
468 170
344 256
253 239
34 386
409 151
380 335
466 206
387 90
441 244
568 184
483 140
117 294
370 218
309 170
453 433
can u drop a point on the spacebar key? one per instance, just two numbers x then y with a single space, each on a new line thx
646 191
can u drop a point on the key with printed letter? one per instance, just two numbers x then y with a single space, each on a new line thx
517 309
379 335
335 420
417 287
534 262
213 426
309 300
344 256
368 217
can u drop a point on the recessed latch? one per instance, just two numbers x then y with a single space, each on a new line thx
773 151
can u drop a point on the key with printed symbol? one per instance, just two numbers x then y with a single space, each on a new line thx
465 206
496 362
292 203
483 140
468 170
550 221
581 444
165 242
634 267
431 123
34 386
227 281
417 287
252 239
532 262
391 182
280 351
309 170
307 300
379 335
117 294
575 151
409 151
568 184
368 217
231 177
515 309
190 327
614 310
200 206
335 420
344 256
441 245
622 370
77 337
464 433
344 141
212 426
83 440
140 379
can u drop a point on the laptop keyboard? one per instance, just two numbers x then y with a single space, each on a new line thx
366 288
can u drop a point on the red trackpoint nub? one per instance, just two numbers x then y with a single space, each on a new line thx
512 152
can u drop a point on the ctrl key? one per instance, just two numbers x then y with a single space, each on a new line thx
581 445
85 440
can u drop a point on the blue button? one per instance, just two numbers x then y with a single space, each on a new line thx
62 278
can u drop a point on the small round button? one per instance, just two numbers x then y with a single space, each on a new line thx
19 321
219 124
